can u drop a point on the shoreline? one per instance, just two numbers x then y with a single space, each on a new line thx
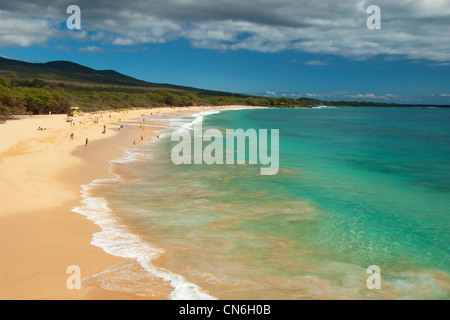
42 174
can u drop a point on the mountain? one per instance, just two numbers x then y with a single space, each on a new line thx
40 88
65 71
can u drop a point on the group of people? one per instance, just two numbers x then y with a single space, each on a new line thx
72 137
103 132
87 139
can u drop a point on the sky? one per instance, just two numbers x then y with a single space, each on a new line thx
324 49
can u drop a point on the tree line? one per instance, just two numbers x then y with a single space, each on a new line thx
20 96
25 96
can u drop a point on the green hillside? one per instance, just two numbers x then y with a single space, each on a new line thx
70 72
40 88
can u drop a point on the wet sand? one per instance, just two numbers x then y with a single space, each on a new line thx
41 174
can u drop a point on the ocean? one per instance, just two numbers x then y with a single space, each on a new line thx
356 187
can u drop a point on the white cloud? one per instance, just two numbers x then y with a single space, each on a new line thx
367 95
123 42
316 63
410 29
386 97
346 96
79 34
92 49
23 32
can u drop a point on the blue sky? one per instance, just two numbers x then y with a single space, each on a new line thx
294 48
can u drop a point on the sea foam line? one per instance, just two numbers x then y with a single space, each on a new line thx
115 239
183 123
198 118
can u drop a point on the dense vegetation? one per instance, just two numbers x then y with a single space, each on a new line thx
19 96
24 96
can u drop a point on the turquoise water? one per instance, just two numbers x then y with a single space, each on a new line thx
356 187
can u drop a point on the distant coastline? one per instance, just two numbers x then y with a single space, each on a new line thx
54 87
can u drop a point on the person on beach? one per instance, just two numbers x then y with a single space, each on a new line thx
142 138
134 143
71 136
87 141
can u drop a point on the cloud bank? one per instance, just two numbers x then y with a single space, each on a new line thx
411 29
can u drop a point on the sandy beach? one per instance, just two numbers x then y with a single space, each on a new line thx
41 174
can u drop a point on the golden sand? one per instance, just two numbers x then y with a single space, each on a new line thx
41 174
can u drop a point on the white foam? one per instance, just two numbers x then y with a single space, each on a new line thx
187 124
323 107
133 154
115 239
198 117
